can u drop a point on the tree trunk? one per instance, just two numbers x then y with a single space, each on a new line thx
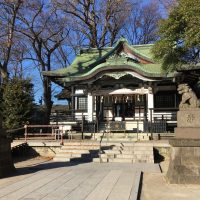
47 99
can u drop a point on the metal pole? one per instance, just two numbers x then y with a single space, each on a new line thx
82 125
25 132
62 142
137 128
151 123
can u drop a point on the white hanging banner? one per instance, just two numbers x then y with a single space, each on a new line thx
129 91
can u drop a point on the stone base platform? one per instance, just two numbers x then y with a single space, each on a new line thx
6 163
187 132
188 125
184 167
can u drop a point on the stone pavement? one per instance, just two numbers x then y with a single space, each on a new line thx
74 181
155 187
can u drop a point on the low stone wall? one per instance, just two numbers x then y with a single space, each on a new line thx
6 163
46 149
184 165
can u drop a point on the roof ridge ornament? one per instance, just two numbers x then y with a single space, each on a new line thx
116 75
122 57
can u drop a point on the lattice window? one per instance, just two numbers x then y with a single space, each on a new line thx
82 103
164 100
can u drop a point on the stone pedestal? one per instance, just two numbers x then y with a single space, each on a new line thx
6 163
184 167
188 124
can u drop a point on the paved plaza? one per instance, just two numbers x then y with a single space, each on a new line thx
75 181
40 178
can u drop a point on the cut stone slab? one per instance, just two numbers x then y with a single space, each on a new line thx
184 167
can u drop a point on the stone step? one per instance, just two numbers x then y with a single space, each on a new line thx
143 144
107 156
81 144
117 156
99 160
143 161
133 149
81 147
79 151
61 159
143 152
120 160
119 139
110 151
126 152
125 156
144 156
69 155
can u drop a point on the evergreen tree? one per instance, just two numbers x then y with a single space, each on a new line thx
17 102
179 44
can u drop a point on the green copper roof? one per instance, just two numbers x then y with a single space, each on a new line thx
91 61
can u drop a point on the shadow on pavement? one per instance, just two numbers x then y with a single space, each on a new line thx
43 165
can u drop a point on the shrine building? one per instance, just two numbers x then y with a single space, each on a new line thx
121 83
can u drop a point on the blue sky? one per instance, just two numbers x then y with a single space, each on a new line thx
31 71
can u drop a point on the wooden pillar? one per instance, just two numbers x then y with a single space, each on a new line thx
150 103
72 102
123 108
90 107
113 108
101 107
97 106
145 107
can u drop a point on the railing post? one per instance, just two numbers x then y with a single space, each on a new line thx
53 132
151 119
62 142
25 132
97 120
137 129
82 126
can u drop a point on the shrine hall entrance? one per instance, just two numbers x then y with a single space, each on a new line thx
129 107
124 110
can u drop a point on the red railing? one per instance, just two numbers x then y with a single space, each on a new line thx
45 131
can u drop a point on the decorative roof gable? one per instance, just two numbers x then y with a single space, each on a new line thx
89 62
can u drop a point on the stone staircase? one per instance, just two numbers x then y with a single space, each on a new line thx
129 135
77 151
127 153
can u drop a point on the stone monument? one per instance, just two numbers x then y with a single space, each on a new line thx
6 163
184 167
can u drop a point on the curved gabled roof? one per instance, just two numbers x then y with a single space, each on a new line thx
123 56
